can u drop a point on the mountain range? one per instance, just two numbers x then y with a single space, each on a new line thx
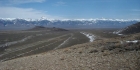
17 23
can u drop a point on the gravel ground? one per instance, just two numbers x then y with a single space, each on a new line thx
87 56
78 57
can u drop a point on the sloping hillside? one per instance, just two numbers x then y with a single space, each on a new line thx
121 53
135 28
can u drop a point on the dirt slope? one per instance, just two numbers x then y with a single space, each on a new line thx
107 54
135 28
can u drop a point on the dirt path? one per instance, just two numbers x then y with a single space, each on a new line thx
24 47
14 42
64 41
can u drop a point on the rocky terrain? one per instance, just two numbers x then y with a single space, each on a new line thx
104 51
120 53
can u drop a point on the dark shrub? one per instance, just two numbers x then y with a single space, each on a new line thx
93 51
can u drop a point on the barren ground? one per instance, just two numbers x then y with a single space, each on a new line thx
101 54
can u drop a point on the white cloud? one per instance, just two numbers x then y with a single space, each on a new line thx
25 1
15 2
14 12
60 3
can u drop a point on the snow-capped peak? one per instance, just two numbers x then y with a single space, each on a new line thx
8 18
52 20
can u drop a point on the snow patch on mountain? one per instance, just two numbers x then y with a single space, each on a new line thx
93 20
65 23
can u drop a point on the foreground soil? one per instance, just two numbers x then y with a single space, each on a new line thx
89 56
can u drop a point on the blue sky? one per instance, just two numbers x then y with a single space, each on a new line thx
70 9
